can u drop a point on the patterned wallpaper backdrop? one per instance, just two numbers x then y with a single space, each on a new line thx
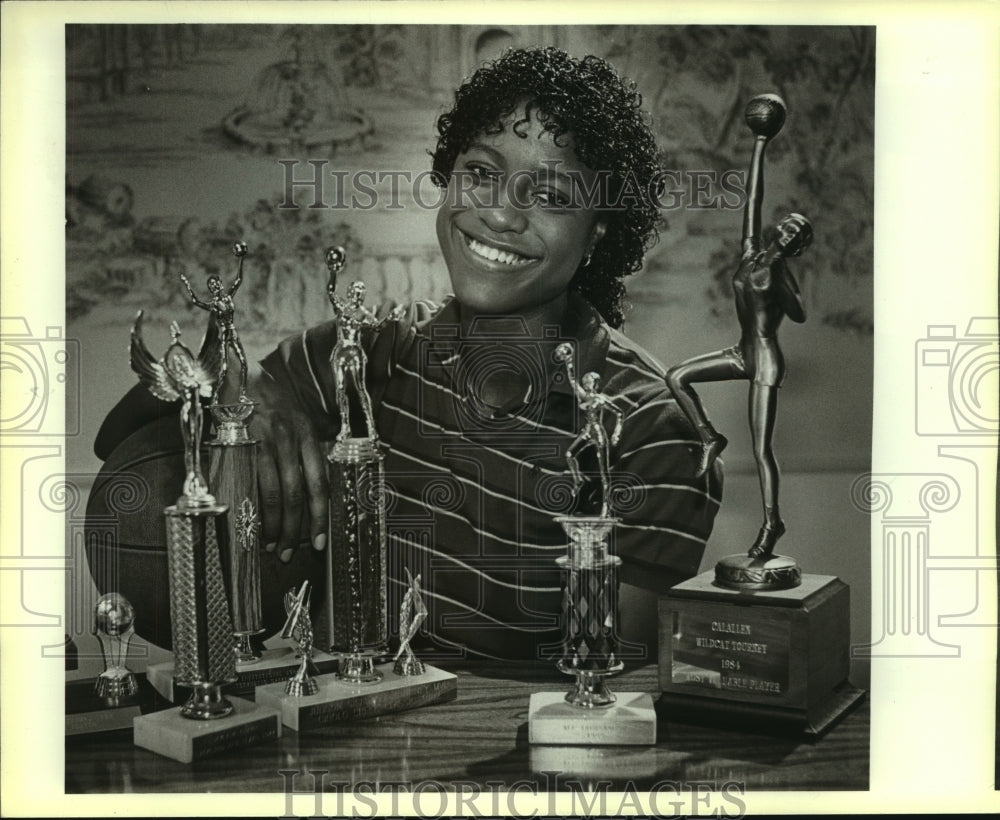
180 140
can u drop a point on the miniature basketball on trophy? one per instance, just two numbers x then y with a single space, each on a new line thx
765 114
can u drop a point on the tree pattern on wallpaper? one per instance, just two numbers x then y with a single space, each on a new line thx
827 144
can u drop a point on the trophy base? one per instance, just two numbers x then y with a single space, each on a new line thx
358 669
87 713
275 665
629 721
170 734
336 703
743 572
773 657
246 652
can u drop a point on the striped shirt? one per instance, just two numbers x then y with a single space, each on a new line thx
473 488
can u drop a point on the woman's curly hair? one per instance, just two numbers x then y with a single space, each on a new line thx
587 100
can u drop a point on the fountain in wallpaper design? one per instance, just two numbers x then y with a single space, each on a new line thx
297 103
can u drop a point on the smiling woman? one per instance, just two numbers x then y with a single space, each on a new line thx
475 409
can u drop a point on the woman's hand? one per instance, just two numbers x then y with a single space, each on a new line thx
291 473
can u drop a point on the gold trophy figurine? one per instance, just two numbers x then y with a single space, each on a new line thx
298 628
412 613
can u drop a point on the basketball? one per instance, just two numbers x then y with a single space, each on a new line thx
126 536
765 114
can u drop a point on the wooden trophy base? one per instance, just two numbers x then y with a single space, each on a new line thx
338 702
274 665
772 659
629 721
169 734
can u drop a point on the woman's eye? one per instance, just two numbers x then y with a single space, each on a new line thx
482 171
552 199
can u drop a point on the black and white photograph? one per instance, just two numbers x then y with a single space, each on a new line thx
518 414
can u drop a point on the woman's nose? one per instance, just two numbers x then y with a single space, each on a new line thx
504 213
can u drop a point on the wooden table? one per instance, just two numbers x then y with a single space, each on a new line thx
481 737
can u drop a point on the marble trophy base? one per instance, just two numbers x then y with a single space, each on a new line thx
775 660
274 665
743 572
337 701
169 734
629 721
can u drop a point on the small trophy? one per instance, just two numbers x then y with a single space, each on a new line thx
232 470
197 534
113 624
412 613
115 699
589 714
298 628
756 640
353 619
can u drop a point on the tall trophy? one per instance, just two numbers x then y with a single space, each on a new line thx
590 714
232 466
197 535
352 619
756 637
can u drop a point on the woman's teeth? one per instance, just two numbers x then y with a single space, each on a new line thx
495 254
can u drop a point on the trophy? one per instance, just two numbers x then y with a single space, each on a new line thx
756 637
232 477
590 714
197 535
352 619
113 624
298 628
114 700
412 613
232 470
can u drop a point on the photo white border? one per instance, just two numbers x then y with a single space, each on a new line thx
936 222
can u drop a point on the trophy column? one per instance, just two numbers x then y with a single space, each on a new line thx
199 612
590 610
232 474
353 618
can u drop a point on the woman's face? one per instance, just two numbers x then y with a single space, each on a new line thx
516 222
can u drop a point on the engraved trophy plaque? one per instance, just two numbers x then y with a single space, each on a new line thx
756 640
590 714
201 626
